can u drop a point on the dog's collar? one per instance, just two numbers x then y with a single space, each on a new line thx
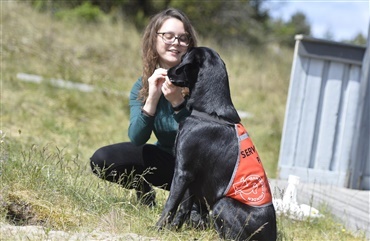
211 118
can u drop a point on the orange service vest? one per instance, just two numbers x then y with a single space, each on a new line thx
249 183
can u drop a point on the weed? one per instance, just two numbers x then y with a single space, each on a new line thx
49 133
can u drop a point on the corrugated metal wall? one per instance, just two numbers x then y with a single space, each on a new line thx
321 119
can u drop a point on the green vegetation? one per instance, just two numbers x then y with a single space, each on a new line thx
229 23
49 133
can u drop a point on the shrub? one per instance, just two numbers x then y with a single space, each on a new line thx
85 12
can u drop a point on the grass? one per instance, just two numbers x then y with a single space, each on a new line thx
49 133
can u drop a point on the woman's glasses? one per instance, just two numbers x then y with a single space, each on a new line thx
170 38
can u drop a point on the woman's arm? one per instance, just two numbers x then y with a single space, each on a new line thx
141 124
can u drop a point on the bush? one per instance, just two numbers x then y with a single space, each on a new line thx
85 12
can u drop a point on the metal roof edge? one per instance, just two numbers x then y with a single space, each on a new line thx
301 37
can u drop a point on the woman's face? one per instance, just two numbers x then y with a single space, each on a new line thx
170 54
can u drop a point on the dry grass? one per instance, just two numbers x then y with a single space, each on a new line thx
51 132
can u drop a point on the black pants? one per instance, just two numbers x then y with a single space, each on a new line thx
125 163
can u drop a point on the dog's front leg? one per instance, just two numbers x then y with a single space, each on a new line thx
183 213
179 186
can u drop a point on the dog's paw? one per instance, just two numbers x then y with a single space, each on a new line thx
198 221
179 220
160 225
163 222
174 225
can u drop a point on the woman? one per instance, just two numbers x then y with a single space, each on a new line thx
157 106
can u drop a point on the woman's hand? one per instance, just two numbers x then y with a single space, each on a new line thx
158 84
155 90
172 93
155 83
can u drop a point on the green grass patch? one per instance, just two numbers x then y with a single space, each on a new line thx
49 133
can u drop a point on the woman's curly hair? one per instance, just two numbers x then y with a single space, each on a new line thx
149 51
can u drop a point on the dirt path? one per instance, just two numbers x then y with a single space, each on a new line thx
38 233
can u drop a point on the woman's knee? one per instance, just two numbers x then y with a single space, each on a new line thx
117 158
97 161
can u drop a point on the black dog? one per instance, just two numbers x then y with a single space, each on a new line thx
208 151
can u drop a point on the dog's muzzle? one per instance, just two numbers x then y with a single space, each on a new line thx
179 79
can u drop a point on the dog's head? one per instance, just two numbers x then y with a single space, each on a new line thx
187 70
198 60
203 71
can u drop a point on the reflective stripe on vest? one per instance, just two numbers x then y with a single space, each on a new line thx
249 183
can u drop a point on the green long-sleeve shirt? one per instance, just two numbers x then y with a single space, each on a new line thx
164 124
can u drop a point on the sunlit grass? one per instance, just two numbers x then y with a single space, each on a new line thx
49 133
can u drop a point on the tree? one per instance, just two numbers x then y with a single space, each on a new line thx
284 32
300 23
228 22
359 39
245 22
